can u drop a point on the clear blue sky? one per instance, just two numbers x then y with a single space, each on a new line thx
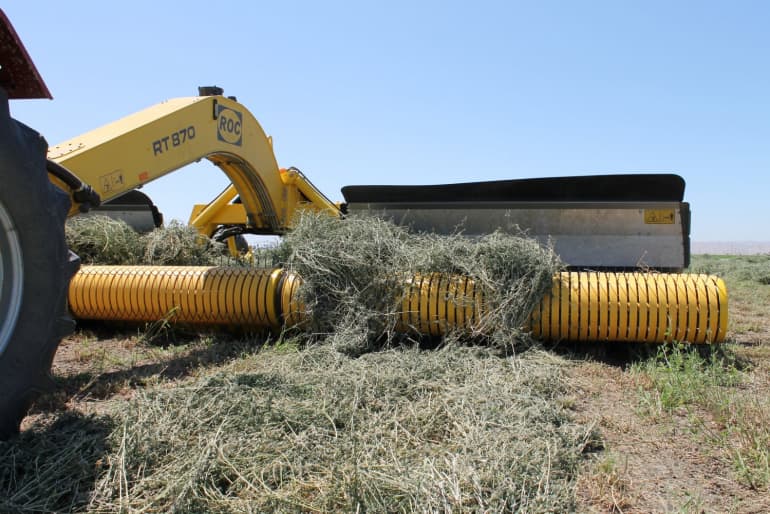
432 92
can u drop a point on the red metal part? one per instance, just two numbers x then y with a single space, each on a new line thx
18 75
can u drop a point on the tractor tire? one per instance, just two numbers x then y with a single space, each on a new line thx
35 270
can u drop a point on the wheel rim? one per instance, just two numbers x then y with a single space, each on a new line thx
11 277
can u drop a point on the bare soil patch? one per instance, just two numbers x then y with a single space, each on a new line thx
653 465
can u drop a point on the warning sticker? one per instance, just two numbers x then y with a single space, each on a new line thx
659 216
112 182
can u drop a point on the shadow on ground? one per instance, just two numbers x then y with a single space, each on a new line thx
150 366
53 465
624 355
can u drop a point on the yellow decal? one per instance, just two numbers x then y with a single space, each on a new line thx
112 181
659 216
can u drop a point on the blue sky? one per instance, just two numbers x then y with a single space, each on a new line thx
394 92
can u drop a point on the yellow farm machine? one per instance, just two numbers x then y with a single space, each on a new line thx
615 225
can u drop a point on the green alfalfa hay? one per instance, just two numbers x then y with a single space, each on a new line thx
354 272
312 429
513 270
351 271
309 429
52 466
458 429
178 244
100 239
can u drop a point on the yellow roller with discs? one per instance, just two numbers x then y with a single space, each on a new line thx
582 306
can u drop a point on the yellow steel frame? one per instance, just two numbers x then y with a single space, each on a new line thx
298 193
147 145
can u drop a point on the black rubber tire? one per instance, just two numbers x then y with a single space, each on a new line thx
36 318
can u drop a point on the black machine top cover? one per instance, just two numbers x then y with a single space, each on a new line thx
592 188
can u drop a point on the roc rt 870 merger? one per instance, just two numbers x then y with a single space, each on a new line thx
608 222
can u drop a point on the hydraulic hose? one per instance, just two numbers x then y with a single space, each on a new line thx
82 193
581 306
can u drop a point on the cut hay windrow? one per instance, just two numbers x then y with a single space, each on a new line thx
353 273
353 276
458 429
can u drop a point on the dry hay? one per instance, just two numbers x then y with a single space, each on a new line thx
354 271
102 240
458 429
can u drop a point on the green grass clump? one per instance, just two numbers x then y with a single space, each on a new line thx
747 435
679 374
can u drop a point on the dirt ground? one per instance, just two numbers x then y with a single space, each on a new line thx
658 465
97 363
668 463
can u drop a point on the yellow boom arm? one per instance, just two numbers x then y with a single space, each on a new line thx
142 147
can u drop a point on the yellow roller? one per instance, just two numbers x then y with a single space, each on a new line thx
208 295
436 303
640 307
581 306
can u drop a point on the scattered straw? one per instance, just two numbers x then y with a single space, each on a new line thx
459 429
